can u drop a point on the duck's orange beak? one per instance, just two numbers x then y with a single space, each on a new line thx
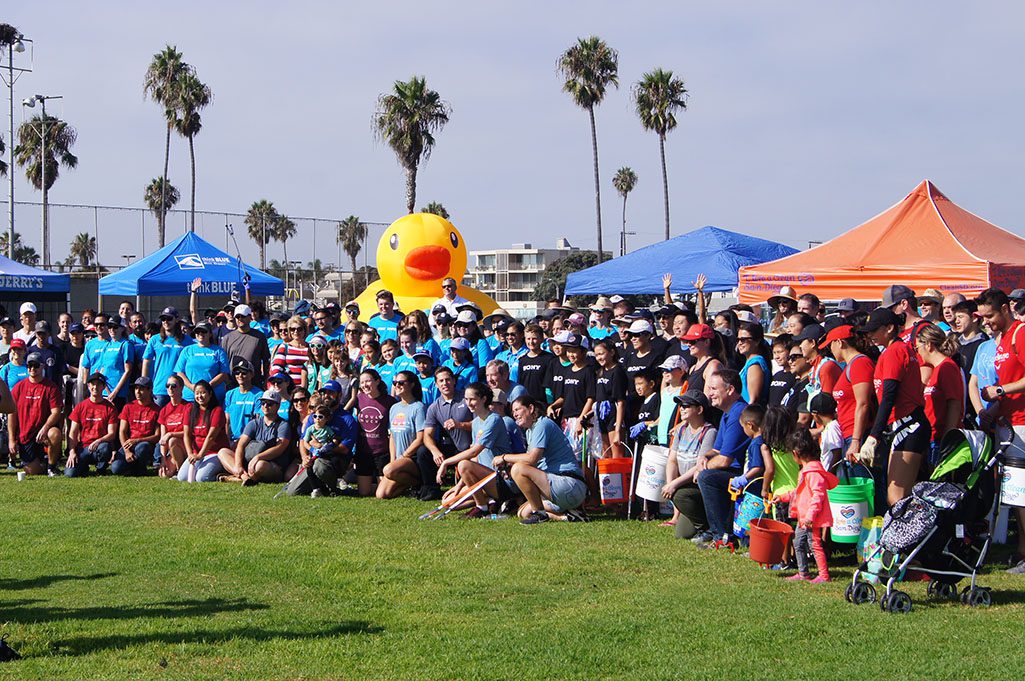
427 263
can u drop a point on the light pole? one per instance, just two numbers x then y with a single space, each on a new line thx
13 41
30 102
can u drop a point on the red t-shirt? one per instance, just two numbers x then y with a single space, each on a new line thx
898 363
906 336
142 420
861 370
93 419
172 417
34 402
826 371
945 383
200 429
1010 365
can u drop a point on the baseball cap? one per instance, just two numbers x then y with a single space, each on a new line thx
332 386
421 351
27 307
242 364
280 376
616 300
880 317
95 377
6 321
169 313
896 293
143 382
577 319
113 320
692 398
221 315
932 294
745 316
811 332
243 311
18 343
572 340
443 319
499 396
698 331
272 396
438 309
34 357
43 325
846 305
459 344
318 340
841 332
1016 294
640 326
667 311
466 317
76 328
352 306
302 307
671 363
202 326
822 403
561 337
549 314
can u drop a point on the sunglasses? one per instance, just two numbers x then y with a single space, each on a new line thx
447 286
172 386
33 365
241 372
300 399
319 417
400 383
744 339
295 329
794 358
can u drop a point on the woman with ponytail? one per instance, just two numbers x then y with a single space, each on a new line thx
945 389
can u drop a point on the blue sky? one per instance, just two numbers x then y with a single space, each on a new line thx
805 118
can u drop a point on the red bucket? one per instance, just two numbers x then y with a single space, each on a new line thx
614 480
769 539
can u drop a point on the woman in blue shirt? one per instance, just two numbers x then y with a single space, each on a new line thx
755 374
462 364
161 353
202 362
407 419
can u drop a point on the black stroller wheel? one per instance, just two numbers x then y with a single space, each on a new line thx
980 598
863 593
847 593
944 590
899 603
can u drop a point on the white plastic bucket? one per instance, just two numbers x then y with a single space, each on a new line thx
651 477
847 517
1012 483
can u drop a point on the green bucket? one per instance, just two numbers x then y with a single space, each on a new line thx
850 503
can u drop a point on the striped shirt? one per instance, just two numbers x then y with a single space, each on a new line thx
290 360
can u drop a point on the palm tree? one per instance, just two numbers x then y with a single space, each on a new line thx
22 253
83 249
161 196
282 230
3 163
260 219
589 67
193 95
351 235
161 83
407 118
59 138
436 208
659 95
624 181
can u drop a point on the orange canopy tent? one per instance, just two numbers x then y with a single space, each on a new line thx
925 241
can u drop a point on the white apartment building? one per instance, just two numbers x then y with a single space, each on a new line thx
510 275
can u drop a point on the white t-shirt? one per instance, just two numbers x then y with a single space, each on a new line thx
450 305
831 440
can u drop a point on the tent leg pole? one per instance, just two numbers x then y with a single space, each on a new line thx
67 303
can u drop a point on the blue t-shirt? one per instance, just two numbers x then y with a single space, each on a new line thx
138 347
465 374
491 434
517 443
983 368
163 354
263 326
515 392
512 358
405 363
109 358
482 352
387 373
11 373
404 422
429 389
597 334
202 364
241 408
754 455
338 335
763 395
386 328
558 457
731 441
273 343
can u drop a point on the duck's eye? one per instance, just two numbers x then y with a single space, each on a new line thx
394 242
454 239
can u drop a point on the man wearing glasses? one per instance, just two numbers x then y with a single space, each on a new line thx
34 428
248 344
324 321
450 300
107 356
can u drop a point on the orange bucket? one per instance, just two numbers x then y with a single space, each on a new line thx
614 480
769 539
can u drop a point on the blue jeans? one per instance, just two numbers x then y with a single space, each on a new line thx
144 452
207 470
714 485
161 400
100 458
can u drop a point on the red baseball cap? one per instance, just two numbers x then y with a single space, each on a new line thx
698 331
842 332
18 343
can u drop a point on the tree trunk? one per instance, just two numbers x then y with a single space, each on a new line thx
284 247
162 221
622 235
665 179
410 189
597 184
192 208
354 292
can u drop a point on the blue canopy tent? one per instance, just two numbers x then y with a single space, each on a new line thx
23 281
716 253
169 271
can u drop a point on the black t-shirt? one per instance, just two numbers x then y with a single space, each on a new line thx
555 377
73 355
649 408
536 374
782 382
792 399
675 348
611 385
635 365
577 388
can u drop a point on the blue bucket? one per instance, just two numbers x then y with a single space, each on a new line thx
747 508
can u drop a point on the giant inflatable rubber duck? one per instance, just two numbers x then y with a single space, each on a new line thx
414 255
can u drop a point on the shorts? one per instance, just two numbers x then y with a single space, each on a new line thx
566 492
911 434
506 488
368 464
608 424
31 452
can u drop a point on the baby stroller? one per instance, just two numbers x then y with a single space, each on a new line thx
945 527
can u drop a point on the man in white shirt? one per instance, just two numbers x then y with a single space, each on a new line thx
450 299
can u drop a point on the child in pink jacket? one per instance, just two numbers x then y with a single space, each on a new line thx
809 504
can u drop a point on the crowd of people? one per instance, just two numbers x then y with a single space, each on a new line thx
328 400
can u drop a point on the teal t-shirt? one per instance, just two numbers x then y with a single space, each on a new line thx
558 454
404 422
491 434
241 408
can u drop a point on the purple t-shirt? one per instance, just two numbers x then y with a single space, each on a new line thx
373 422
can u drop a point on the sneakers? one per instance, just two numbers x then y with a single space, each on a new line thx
430 493
53 472
476 512
7 653
576 515
535 517
799 578
821 579
702 538
1018 569
317 493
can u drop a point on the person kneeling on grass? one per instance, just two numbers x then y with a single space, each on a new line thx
490 439
318 474
139 432
261 454
407 418
34 427
548 470
93 431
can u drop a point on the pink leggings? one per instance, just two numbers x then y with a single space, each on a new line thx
801 540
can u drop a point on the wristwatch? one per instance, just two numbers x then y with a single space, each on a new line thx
1000 390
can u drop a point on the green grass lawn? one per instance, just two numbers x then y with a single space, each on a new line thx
125 579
